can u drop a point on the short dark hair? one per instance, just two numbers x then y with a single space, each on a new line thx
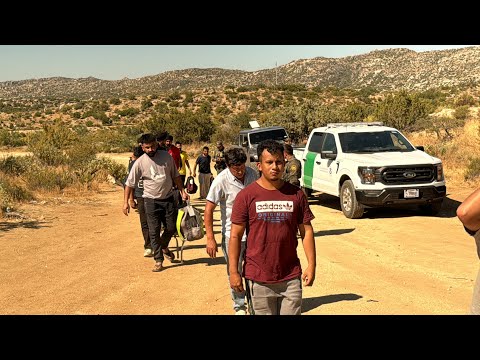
162 136
205 148
235 156
169 137
138 151
178 143
271 146
149 139
288 149
141 138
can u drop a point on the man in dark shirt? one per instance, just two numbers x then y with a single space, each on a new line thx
293 167
205 173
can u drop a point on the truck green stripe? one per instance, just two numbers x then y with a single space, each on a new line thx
308 169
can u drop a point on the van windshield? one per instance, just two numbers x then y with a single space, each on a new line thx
258 137
379 141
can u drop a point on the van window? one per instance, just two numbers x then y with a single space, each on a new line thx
277 134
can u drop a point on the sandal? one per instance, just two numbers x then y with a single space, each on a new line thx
169 255
158 267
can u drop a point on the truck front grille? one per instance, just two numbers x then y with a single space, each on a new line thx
400 175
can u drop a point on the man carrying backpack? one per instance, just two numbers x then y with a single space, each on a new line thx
223 191
159 174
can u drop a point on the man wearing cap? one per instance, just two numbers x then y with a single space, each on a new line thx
219 158
293 167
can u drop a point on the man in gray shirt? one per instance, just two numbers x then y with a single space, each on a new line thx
223 191
159 174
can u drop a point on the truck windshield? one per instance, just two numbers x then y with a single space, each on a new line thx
258 137
380 141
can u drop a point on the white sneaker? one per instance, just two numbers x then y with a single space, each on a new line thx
148 253
241 312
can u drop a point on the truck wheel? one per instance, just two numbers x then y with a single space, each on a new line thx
351 208
307 191
432 209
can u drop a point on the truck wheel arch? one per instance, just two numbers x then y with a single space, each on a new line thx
351 208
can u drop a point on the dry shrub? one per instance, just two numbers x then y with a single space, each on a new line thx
456 153
473 169
12 191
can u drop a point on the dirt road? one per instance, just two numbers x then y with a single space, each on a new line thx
85 257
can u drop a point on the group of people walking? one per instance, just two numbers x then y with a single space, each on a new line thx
261 217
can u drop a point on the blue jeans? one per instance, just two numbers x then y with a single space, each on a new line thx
237 297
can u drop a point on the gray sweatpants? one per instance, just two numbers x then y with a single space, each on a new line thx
283 298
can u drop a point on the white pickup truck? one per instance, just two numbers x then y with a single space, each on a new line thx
370 165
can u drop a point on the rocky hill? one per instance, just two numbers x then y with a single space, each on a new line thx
383 69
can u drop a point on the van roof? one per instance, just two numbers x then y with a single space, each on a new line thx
261 129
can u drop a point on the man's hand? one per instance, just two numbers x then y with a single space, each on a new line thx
126 208
185 196
308 276
211 248
133 204
236 282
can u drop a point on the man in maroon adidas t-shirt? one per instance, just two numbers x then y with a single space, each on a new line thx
273 210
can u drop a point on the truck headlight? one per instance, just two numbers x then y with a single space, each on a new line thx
439 168
367 174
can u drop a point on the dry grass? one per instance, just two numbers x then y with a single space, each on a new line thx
456 152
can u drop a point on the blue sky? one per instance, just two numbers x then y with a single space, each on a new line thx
114 62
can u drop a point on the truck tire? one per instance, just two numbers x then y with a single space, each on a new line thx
307 191
432 209
351 208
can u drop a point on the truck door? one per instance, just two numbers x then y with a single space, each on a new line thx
326 169
310 157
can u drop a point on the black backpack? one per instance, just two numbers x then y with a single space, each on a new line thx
191 187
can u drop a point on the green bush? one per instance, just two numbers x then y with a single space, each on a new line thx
11 192
48 178
16 165
105 166
461 113
115 101
12 138
81 154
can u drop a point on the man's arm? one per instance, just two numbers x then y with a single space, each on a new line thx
195 169
208 220
236 233
306 232
127 195
178 182
469 211
188 166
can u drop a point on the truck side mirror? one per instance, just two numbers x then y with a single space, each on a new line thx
421 148
328 154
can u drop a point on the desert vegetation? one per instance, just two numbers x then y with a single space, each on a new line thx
64 137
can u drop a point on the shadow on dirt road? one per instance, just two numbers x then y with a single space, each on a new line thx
312 303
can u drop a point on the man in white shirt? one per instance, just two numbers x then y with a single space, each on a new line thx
223 191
